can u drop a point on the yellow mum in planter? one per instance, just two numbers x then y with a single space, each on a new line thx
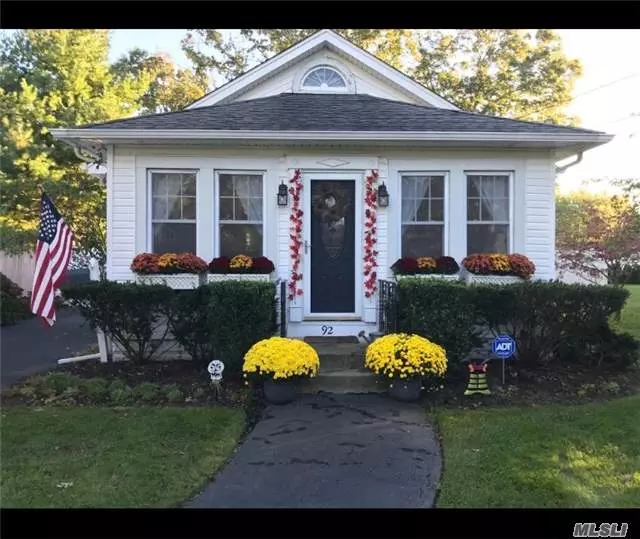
241 262
280 358
401 355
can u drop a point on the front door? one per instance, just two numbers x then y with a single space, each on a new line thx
333 230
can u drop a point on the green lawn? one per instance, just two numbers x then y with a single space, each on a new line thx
553 456
106 457
630 318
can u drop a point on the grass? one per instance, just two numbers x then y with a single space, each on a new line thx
630 317
556 456
110 457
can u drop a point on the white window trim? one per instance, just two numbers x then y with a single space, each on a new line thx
328 62
150 220
510 223
216 201
332 89
445 209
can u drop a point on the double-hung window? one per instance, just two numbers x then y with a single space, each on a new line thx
173 211
488 212
240 208
423 214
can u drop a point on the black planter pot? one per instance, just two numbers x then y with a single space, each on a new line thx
279 391
406 390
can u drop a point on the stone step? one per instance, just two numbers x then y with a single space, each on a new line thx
344 381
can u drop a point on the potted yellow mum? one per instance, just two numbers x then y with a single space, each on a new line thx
406 360
279 362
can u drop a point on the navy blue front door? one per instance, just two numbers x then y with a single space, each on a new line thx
333 246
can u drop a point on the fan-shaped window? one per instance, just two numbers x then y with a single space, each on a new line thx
324 78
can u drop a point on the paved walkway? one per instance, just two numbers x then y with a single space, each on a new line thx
28 347
332 451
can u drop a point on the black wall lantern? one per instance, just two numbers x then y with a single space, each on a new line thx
383 196
283 197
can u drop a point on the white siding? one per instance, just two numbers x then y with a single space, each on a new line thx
540 232
362 81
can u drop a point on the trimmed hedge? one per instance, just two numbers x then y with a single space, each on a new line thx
551 322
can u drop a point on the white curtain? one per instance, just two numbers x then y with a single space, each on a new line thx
413 187
249 194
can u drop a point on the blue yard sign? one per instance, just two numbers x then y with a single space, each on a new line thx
503 347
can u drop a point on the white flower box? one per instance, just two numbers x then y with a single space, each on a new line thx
177 281
431 276
471 278
217 277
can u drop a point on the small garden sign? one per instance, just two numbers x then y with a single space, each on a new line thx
503 347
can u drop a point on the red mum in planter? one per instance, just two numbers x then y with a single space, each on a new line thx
190 263
446 265
219 265
405 265
261 264
480 264
145 264
521 266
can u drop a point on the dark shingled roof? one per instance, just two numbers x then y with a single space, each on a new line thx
331 112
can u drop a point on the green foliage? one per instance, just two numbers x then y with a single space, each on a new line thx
443 313
189 322
14 306
120 394
174 394
241 313
95 390
510 73
557 322
130 314
148 393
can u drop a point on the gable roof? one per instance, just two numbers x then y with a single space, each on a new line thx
331 113
309 45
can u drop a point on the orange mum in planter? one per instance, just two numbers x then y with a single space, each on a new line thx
145 264
167 263
480 264
521 266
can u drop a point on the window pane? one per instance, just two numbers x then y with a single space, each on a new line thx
175 184
500 209
236 239
473 186
255 185
422 186
437 209
189 184
473 209
175 208
409 209
501 186
226 185
408 187
423 210
159 208
422 240
174 238
226 209
437 186
159 184
188 207
487 239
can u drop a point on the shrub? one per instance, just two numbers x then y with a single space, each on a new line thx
174 394
188 316
400 355
147 392
239 314
130 314
167 263
447 265
280 358
14 306
556 322
120 394
95 390
441 312
57 382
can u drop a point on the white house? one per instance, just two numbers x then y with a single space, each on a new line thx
206 179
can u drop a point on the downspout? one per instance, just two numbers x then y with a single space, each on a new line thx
560 170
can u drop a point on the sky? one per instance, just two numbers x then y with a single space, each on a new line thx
606 97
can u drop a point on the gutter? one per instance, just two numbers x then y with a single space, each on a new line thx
560 170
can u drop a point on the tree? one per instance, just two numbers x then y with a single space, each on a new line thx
55 78
509 73
170 88
598 235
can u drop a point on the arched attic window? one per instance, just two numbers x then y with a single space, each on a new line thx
324 79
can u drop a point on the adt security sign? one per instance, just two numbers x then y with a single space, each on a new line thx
503 346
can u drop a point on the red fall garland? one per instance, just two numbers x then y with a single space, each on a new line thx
370 241
295 234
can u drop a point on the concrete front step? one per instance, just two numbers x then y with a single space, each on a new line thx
344 381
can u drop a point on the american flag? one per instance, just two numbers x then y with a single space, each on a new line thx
53 252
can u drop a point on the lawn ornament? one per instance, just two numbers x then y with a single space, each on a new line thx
477 379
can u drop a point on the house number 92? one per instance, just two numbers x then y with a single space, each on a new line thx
327 330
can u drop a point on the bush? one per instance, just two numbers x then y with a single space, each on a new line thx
631 275
240 313
148 393
95 390
14 306
174 394
441 312
131 315
120 394
568 323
